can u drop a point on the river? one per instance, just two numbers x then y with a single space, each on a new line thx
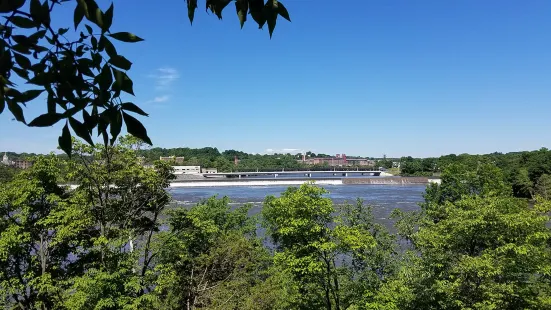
383 198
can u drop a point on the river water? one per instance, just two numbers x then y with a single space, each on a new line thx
383 198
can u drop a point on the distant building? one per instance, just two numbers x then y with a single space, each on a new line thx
178 160
209 170
340 160
360 162
6 160
22 164
18 163
187 169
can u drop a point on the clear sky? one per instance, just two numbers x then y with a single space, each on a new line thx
361 77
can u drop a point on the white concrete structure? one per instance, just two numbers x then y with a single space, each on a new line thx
187 169
6 160
252 183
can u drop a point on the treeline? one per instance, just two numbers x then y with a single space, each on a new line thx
117 242
526 172
225 161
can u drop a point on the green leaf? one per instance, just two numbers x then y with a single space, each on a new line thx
108 18
23 40
129 106
271 12
191 6
102 125
125 37
89 121
46 120
256 8
115 121
22 61
105 78
104 43
81 130
242 7
36 11
11 5
121 62
62 31
2 104
24 74
282 10
21 49
64 140
94 42
89 29
123 82
37 36
217 6
94 13
79 13
23 22
30 95
135 128
16 110
45 13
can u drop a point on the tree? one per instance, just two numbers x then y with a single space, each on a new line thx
371 251
209 258
483 253
335 261
521 183
459 180
83 78
40 229
123 202
297 222
7 173
543 187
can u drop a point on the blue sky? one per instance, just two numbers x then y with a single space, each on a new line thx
373 77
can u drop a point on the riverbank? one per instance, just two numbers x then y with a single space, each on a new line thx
288 182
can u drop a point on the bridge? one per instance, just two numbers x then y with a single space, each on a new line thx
287 174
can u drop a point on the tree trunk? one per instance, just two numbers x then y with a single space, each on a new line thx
336 282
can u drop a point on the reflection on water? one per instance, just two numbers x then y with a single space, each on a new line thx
383 198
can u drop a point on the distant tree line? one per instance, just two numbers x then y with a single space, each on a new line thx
528 172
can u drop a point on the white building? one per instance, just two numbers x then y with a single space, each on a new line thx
187 169
5 160
209 170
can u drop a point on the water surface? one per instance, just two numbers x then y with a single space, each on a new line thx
383 198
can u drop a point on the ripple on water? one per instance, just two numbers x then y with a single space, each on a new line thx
383 198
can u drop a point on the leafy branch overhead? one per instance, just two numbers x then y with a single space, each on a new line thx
78 70
261 12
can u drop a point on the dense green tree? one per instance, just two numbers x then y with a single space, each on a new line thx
7 173
543 186
368 250
297 222
40 228
209 259
521 183
335 261
459 180
125 202
482 253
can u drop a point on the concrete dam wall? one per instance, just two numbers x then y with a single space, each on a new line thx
389 180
